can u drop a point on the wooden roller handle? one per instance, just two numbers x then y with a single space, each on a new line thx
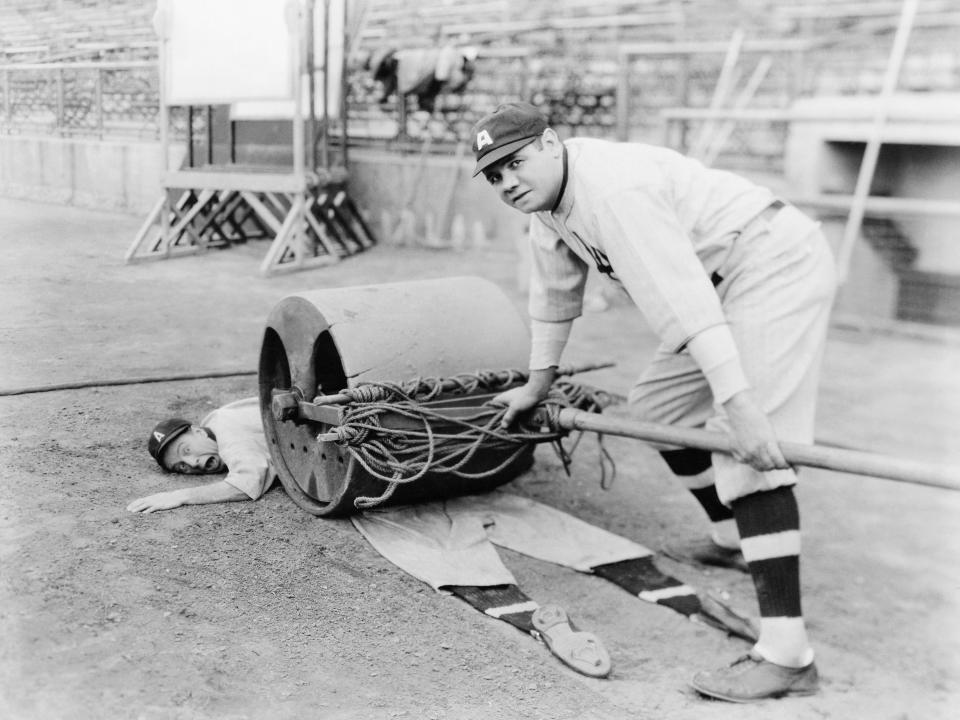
848 461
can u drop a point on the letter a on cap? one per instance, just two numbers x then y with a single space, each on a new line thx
483 138
158 436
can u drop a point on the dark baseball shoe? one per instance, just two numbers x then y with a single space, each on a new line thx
704 551
751 679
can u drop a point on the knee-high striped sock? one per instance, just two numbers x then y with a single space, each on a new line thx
694 469
640 577
769 524
504 602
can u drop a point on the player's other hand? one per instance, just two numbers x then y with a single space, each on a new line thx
153 503
752 437
518 401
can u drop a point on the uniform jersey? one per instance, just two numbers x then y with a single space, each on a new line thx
656 222
242 446
739 298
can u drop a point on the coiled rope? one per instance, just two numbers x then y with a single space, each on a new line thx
436 443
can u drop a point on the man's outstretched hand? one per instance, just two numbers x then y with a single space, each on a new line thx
215 492
158 501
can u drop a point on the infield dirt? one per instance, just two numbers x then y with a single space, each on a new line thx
260 610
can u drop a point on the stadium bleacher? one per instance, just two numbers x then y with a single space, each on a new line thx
564 53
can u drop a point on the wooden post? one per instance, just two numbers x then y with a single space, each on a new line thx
190 136
7 105
58 78
325 129
725 81
683 97
623 98
311 42
297 34
98 100
714 143
344 86
872 150
209 121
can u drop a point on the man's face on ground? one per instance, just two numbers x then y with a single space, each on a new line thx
529 179
193 453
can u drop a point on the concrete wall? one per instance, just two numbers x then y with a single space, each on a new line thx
920 158
437 195
407 199
107 175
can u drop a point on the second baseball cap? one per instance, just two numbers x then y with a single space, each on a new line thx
163 434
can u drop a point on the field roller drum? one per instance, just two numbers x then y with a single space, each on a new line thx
325 351
324 341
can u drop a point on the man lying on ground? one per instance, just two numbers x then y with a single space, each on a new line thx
448 544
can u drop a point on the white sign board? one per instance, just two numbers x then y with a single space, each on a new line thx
335 53
224 51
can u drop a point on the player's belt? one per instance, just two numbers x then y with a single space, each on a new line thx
767 214
770 211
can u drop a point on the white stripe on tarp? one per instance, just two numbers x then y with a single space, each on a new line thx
665 593
528 606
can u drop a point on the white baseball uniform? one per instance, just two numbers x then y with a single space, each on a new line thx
738 291
242 446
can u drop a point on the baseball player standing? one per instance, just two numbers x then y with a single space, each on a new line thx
738 286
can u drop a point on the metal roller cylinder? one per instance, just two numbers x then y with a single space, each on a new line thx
325 341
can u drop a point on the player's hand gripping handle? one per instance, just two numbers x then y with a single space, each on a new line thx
526 397
753 439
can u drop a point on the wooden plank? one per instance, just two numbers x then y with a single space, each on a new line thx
266 216
522 26
856 9
725 81
89 65
786 115
882 206
716 142
152 217
286 236
715 47
837 459
255 182
319 230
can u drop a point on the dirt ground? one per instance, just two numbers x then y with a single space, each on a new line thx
259 610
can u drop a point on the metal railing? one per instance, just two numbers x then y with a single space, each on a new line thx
93 99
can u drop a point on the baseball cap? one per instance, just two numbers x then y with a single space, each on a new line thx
504 131
163 434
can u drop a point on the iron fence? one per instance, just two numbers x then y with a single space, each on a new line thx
93 99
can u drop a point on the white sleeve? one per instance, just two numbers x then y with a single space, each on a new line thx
547 340
247 472
243 448
557 276
716 353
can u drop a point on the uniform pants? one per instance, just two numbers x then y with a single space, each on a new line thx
451 542
776 290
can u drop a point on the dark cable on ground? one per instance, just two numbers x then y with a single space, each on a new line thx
123 381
